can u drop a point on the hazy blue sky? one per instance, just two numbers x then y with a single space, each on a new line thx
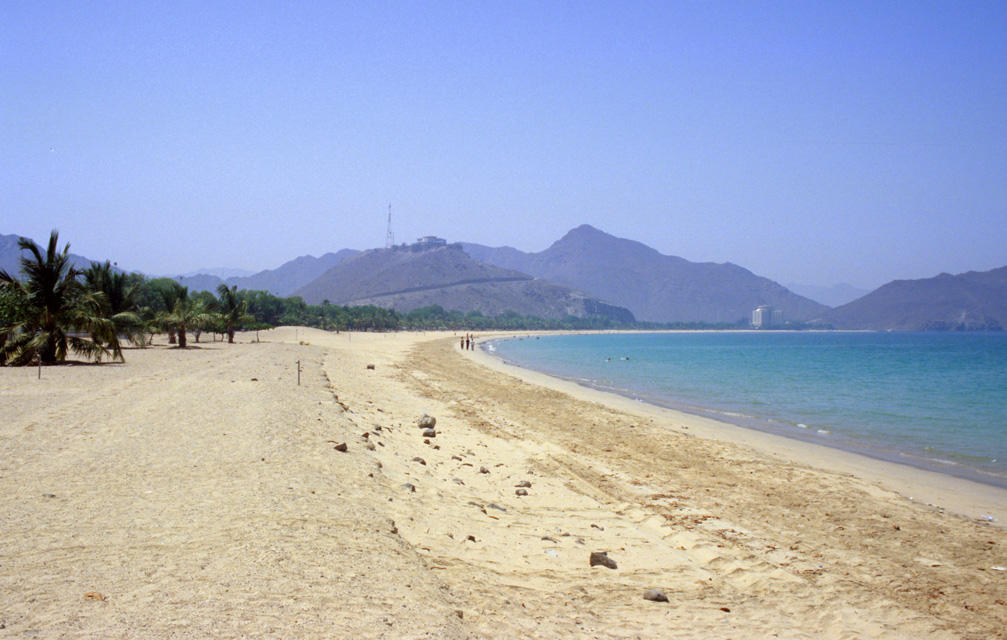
813 142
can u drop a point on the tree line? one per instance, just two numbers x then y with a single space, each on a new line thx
55 309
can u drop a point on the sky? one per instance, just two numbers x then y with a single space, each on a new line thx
809 142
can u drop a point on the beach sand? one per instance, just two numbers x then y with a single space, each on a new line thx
198 493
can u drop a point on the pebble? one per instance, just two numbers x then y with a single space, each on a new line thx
410 486
370 366
601 558
483 470
521 492
655 595
427 422
420 460
429 433
341 447
524 483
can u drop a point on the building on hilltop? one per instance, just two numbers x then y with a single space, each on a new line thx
431 241
766 317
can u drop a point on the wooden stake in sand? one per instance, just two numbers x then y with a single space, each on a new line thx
298 373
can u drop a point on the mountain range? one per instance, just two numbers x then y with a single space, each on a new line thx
973 301
591 272
408 277
655 287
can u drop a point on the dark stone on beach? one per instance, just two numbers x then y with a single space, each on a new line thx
426 440
341 447
471 539
594 526
550 539
48 495
601 558
429 433
420 460
370 366
655 595
524 483
427 422
395 529
521 492
458 458
483 470
410 486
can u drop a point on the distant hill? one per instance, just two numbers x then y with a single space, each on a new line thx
10 255
973 301
221 272
833 296
199 282
406 278
655 287
291 276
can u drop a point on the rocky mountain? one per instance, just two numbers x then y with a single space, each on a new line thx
406 278
973 301
655 287
291 276
10 254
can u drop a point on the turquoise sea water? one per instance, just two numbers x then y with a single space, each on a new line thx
934 400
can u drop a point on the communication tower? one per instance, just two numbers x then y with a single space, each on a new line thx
389 237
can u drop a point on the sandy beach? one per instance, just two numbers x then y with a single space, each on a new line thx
200 493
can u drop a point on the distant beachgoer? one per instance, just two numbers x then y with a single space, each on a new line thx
463 342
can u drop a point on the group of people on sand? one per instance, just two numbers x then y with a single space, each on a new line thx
468 342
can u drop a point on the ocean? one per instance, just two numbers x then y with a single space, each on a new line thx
932 400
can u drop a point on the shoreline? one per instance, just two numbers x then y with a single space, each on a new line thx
934 487
789 431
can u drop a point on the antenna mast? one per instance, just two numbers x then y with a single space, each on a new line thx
390 237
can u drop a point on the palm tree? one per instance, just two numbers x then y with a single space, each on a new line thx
171 294
232 310
187 314
122 305
56 314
